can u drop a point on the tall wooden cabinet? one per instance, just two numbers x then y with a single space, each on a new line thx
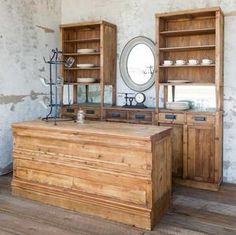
197 133
100 36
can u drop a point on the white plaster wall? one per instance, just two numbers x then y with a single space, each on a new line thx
136 17
22 47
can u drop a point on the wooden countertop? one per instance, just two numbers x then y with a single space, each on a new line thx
135 131
129 109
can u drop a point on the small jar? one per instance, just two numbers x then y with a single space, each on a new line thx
80 116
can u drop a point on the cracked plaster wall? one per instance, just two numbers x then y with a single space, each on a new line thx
23 46
136 17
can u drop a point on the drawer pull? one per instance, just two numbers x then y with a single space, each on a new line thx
139 117
90 111
170 116
115 115
70 110
200 119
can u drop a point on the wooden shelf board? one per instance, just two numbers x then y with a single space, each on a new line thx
92 68
129 109
210 111
186 84
174 33
83 104
188 48
82 83
190 14
127 120
82 40
187 66
80 54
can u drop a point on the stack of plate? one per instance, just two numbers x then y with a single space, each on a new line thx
207 61
86 80
85 66
86 51
178 105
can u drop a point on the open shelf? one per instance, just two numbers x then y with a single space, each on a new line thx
174 33
192 34
187 66
187 48
89 35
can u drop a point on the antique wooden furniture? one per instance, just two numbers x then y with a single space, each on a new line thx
197 134
139 76
101 36
130 115
118 171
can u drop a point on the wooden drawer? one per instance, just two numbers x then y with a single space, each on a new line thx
91 112
116 114
200 119
171 118
69 111
141 117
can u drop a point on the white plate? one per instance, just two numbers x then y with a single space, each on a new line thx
192 64
178 108
180 64
85 65
177 105
87 50
167 64
206 63
178 81
86 80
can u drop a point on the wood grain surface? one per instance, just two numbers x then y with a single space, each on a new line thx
117 171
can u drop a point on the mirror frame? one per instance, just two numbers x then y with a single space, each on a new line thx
124 60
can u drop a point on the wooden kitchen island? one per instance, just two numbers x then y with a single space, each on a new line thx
117 171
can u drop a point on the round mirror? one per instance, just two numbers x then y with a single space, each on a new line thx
137 64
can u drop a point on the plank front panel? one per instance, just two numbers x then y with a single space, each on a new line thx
161 177
177 149
128 178
133 192
201 153
109 54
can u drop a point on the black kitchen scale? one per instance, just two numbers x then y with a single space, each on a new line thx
139 98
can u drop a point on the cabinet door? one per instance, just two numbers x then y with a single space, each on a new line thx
177 149
200 153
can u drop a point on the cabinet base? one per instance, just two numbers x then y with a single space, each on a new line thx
196 184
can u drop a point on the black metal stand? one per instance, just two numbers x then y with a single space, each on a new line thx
54 84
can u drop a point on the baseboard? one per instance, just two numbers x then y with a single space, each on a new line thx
197 184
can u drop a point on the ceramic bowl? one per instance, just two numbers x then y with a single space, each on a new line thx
168 62
207 61
193 62
180 62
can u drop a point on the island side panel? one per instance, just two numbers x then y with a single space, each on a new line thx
90 174
161 176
